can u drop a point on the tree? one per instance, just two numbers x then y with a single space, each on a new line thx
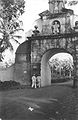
72 2
61 67
10 12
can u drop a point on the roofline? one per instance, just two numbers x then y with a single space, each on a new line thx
46 12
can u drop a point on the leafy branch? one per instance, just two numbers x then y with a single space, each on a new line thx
9 22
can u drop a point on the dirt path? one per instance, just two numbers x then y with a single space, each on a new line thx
49 103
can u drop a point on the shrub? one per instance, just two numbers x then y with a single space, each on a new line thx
8 84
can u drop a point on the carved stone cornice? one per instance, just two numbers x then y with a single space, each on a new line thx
42 37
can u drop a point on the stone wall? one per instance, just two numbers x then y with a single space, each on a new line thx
41 45
22 73
7 74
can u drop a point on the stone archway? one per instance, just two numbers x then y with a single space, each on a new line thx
45 69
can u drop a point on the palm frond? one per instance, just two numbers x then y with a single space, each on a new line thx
1 27
7 44
16 41
73 2
18 30
1 22
2 49
1 42
17 36
10 46
1 39
1 57
1 31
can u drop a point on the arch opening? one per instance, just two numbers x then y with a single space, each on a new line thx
61 66
56 66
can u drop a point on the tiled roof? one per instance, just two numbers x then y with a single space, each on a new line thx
63 11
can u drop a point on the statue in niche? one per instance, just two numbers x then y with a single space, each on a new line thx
56 27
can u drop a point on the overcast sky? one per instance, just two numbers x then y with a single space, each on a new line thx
33 8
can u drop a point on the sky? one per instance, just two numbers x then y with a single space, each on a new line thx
32 10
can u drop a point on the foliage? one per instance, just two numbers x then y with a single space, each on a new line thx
61 68
9 22
12 7
61 63
9 85
72 2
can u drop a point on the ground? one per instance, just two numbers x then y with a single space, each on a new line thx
55 102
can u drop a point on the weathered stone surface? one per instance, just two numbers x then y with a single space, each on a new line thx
55 34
